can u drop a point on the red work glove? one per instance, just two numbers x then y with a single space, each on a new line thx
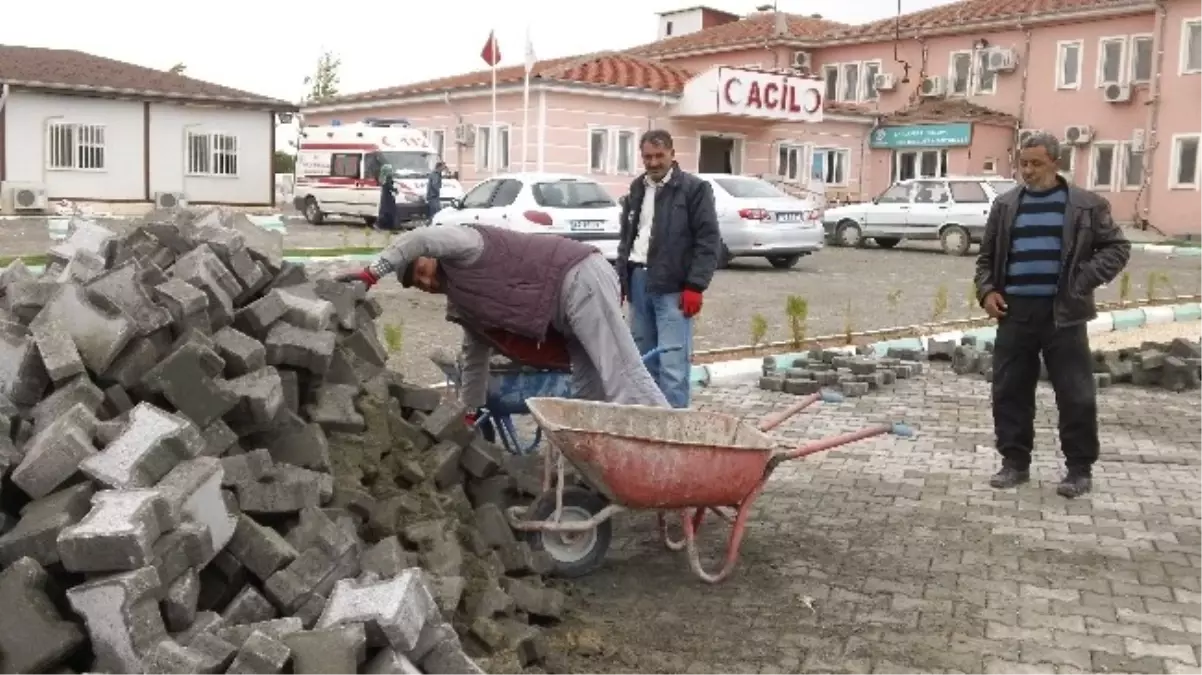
690 302
365 275
471 418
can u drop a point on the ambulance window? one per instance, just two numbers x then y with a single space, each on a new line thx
372 165
345 165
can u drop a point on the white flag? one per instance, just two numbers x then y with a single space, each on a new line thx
530 59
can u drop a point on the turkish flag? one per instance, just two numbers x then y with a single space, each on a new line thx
492 51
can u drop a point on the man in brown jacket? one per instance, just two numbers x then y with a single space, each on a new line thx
539 299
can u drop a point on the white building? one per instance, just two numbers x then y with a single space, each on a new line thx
90 129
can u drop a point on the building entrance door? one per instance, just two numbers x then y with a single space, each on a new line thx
719 154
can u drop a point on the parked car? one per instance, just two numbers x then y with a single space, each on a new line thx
952 210
575 207
759 220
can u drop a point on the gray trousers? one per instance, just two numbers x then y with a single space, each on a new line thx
606 364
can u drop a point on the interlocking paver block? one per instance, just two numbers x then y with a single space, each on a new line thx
310 350
193 492
181 299
333 650
334 409
249 606
259 548
123 286
153 442
117 534
394 611
184 379
168 656
304 309
34 637
36 533
62 399
23 377
261 655
390 661
203 269
255 318
53 455
60 356
292 440
259 395
242 353
179 601
122 615
99 330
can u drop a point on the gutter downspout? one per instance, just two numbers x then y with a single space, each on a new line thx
3 122
1022 97
542 126
1141 216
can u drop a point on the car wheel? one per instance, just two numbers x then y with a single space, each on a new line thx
954 240
313 212
783 262
849 234
370 221
887 242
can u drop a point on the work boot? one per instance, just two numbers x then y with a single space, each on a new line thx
1008 477
1074 484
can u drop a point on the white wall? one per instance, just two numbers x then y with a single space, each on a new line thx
169 126
27 117
683 23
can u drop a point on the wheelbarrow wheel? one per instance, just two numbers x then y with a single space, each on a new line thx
575 554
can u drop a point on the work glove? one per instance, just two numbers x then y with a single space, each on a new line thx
690 302
364 275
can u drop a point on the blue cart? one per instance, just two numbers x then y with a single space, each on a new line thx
509 387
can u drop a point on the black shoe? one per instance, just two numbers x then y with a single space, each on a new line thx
1074 485
1009 477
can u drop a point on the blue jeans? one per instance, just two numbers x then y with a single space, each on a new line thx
656 321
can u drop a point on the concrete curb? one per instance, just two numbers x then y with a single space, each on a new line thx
727 372
1165 249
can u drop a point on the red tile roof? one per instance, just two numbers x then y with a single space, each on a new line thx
968 13
947 110
67 69
752 30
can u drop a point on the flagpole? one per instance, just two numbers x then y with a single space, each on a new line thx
492 135
526 105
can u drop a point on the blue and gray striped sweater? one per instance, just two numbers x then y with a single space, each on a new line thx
1033 266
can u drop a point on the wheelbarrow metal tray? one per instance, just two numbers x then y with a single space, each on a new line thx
656 458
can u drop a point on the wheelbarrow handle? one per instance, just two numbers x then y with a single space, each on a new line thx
772 421
897 429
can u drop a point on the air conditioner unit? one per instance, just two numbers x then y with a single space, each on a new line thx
802 60
885 81
1002 60
26 196
1139 141
170 200
1078 134
1117 93
465 135
1024 134
932 87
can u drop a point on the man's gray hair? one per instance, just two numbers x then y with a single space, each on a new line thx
1045 140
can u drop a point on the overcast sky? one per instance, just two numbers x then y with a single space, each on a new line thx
270 47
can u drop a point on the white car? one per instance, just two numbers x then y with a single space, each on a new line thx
952 210
758 219
570 206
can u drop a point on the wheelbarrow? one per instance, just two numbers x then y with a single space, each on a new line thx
690 462
510 386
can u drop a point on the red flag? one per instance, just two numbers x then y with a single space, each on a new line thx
492 51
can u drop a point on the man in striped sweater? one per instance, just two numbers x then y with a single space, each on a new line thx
1047 246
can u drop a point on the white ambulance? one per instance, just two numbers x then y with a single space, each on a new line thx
338 169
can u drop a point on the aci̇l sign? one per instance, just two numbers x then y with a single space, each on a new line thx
768 95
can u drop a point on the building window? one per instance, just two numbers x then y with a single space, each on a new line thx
598 142
1111 53
1184 171
484 148
1141 59
909 164
1067 160
833 163
986 76
1102 166
830 78
626 151
1133 168
346 165
668 29
1068 65
78 147
212 155
851 82
959 73
1191 46
438 140
871 70
789 161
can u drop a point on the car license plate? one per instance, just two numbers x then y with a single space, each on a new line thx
788 217
587 225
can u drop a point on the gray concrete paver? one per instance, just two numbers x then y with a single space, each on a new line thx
894 555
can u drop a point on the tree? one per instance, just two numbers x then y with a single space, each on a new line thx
178 69
283 162
324 82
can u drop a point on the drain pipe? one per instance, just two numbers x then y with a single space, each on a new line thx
1022 101
3 96
1143 215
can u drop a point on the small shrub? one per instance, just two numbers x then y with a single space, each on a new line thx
893 300
939 310
849 326
797 309
1125 288
393 338
759 329
1153 284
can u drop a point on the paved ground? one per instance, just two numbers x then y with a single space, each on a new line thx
844 287
895 556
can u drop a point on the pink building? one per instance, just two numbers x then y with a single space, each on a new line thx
944 91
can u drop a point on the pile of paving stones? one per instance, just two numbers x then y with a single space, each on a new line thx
207 468
850 374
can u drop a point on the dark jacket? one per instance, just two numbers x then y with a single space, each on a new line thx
434 186
514 284
387 216
1093 252
685 241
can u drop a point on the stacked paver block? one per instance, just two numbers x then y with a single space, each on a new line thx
853 375
203 447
